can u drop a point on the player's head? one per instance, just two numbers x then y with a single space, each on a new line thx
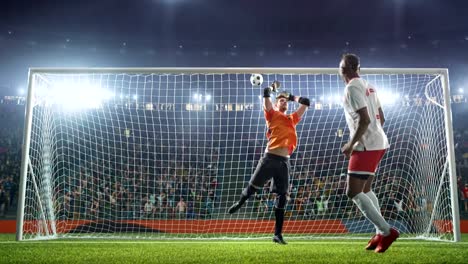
282 102
349 65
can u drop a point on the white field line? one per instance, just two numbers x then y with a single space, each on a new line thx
291 242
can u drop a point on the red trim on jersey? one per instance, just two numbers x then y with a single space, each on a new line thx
365 162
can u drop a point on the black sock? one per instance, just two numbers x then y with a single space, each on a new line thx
248 191
279 217
242 199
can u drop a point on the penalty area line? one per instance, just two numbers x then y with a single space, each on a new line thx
291 242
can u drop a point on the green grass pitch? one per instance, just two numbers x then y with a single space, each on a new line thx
229 251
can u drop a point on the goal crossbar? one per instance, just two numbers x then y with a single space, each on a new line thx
317 81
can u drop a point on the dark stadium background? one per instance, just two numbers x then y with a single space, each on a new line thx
202 33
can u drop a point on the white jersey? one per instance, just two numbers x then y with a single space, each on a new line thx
357 95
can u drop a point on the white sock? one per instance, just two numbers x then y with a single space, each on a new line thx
375 202
364 203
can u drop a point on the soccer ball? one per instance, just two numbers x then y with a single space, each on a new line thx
256 79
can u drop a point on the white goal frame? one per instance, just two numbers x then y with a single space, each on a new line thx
443 73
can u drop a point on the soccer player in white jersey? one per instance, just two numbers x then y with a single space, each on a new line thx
365 149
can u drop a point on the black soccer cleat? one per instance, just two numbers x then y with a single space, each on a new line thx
279 240
234 208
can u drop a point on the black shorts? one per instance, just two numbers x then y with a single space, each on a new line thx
272 166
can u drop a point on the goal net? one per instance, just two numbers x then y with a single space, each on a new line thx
162 153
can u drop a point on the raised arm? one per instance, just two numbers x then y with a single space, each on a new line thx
305 103
267 105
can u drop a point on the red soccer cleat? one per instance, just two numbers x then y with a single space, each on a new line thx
386 241
374 242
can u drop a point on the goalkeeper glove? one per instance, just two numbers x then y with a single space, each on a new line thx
304 101
272 88
266 92
275 86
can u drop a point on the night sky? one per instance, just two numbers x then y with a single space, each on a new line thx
235 33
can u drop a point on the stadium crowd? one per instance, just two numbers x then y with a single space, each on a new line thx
191 188
11 124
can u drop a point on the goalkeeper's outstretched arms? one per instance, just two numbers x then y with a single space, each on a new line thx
267 105
303 101
304 105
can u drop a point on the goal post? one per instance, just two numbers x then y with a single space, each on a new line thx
155 153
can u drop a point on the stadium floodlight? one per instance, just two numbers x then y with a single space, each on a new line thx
336 99
460 90
118 172
331 98
197 97
387 98
75 96
207 97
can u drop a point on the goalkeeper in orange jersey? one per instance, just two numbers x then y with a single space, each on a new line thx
282 140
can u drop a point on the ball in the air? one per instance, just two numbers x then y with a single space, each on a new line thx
256 79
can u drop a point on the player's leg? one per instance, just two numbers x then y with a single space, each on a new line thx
280 185
374 241
355 188
280 205
362 166
258 179
368 191
379 242
246 193
356 183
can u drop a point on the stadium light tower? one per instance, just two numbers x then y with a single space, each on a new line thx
197 97
387 98
73 96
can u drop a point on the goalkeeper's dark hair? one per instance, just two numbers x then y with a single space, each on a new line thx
285 95
351 60
282 95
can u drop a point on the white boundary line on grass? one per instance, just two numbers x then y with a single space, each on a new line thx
291 242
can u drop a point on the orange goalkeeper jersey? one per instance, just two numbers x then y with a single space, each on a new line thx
281 130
